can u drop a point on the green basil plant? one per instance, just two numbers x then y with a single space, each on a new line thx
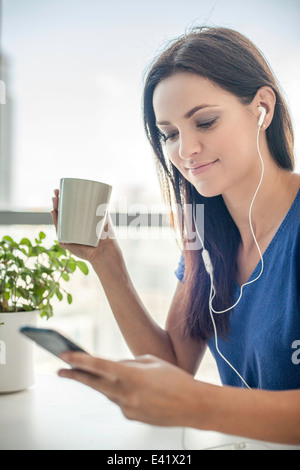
31 274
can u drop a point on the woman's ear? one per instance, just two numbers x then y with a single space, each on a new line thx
265 98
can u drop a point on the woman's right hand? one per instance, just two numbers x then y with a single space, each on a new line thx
88 253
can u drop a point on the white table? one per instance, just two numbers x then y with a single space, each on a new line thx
61 414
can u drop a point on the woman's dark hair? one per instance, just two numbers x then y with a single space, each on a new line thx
231 61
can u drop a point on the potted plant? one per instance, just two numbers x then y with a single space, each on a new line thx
30 278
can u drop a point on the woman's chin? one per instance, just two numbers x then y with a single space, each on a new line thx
207 190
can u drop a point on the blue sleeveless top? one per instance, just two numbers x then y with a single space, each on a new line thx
264 337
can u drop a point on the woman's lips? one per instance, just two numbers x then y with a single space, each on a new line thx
199 169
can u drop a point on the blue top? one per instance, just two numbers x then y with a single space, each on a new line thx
264 339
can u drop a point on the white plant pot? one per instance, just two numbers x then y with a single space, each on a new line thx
16 352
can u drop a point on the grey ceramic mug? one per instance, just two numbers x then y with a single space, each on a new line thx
82 209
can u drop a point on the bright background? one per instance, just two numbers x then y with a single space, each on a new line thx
76 72
74 80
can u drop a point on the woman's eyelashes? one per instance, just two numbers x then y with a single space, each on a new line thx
199 125
207 124
170 136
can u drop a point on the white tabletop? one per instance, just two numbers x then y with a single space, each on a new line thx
61 414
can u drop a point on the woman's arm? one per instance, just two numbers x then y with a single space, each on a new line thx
153 391
257 414
140 331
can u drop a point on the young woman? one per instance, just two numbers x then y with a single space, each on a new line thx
204 101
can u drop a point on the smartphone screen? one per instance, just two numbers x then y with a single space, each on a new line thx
51 340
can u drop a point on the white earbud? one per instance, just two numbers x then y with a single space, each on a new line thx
262 116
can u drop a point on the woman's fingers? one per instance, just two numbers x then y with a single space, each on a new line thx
97 366
54 218
55 199
100 374
55 207
147 389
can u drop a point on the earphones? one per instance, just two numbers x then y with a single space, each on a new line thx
208 264
262 116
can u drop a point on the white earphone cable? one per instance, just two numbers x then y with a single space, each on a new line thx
209 267
211 296
253 234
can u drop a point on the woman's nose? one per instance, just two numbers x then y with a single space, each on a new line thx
189 146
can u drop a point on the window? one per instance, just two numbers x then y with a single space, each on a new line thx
73 72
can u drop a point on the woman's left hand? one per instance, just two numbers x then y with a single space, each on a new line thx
147 389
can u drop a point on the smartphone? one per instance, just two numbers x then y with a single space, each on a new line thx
51 340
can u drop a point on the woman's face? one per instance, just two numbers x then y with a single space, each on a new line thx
210 136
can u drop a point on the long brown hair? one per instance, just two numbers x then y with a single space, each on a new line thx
231 61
